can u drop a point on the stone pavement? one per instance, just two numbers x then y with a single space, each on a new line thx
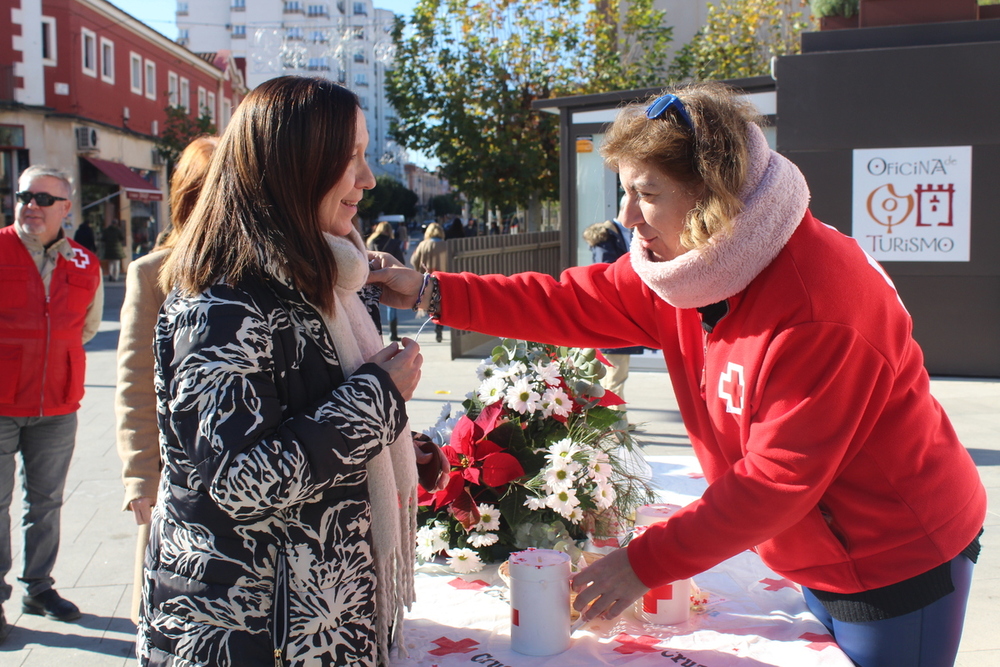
98 539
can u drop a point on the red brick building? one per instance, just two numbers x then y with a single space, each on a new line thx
84 86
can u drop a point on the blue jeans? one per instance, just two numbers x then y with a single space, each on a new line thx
46 447
927 637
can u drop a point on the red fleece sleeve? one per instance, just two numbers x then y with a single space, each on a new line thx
601 305
820 390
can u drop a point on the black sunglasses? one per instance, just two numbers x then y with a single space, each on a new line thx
41 198
661 105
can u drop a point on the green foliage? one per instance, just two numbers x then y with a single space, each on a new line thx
467 72
447 204
739 39
845 8
179 129
389 197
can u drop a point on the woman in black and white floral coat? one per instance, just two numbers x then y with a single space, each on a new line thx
283 533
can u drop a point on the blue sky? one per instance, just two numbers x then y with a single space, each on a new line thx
160 14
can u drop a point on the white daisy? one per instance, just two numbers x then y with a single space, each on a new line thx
561 476
600 467
563 501
479 540
575 516
489 518
431 541
492 390
535 503
562 449
555 401
522 398
486 370
604 496
513 370
548 372
464 561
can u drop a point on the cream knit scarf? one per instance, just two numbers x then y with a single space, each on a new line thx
775 197
392 475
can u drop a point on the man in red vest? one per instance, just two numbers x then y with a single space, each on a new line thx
51 300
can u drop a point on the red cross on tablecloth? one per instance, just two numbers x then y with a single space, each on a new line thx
448 646
817 642
630 644
463 585
778 584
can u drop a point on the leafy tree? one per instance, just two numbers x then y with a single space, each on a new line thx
846 8
740 37
467 72
389 197
447 204
179 130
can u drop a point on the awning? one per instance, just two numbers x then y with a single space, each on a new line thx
135 186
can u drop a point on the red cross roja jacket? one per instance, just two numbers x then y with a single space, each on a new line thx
42 361
808 406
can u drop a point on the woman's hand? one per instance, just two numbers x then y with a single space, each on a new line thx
380 260
432 464
608 587
402 365
142 508
400 285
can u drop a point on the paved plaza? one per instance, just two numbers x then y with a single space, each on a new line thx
98 539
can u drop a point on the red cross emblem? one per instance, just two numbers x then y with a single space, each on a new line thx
447 646
80 258
778 584
463 585
651 600
818 642
731 388
630 644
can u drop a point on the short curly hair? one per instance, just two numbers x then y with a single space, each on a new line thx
710 159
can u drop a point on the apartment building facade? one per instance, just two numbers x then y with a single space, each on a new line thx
84 87
347 41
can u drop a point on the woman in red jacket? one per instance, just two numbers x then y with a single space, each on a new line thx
793 363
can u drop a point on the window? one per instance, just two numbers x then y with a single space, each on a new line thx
320 64
360 9
48 41
358 33
182 9
239 31
360 79
135 72
151 79
210 106
227 112
363 101
293 7
239 5
185 100
172 91
201 101
320 37
319 10
359 56
88 58
182 36
294 34
155 128
341 75
107 60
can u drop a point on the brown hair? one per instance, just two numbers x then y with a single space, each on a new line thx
383 228
287 145
185 184
710 160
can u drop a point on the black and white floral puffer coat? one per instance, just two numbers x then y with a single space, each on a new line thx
259 551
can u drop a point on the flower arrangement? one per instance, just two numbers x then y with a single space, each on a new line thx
539 458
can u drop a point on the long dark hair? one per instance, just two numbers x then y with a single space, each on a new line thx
287 145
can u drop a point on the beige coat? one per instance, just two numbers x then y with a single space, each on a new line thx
135 399
430 255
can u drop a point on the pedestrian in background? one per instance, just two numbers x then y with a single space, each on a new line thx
431 255
383 239
608 241
85 236
50 305
113 243
135 397
284 530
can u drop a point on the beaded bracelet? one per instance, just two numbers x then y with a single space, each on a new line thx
434 306
420 295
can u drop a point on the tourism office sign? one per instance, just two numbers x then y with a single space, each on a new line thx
913 204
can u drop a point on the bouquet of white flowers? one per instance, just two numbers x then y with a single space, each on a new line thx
539 458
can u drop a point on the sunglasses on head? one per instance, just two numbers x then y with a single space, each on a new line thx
41 198
661 105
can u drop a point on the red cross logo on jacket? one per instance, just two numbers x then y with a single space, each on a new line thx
731 388
80 258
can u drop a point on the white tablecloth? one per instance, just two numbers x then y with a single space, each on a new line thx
752 616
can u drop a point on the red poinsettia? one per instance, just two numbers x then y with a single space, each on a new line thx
476 460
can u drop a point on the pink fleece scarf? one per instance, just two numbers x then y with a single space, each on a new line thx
775 197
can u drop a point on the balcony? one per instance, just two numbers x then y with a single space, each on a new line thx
294 8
